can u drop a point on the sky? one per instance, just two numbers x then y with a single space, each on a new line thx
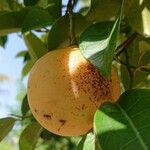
10 66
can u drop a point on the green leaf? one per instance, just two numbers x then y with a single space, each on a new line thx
145 59
36 18
98 43
9 5
27 67
25 106
10 22
102 10
28 18
144 45
29 2
4 6
59 33
3 41
139 77
21 54
29 136
88 142
54 8
6 124
46 135
24 54
125 124
125 77
36 47
138 15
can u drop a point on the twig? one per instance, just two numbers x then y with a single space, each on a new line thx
69 12
126 43
145 69
123 63
129 70
21 117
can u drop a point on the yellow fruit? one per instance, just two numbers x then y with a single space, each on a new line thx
65 90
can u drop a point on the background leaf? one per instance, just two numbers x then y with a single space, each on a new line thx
26 19
6 124
126 124
88 142
138 15
25 106
36 18
30 3
102 10
29 136
3 41
27 67
59 33
36 47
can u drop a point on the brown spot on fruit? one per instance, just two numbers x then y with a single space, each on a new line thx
83 106
62 124
62 121
35 110
47 116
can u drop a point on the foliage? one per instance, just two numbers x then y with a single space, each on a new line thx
107 32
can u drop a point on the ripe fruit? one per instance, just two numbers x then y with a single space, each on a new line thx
64 91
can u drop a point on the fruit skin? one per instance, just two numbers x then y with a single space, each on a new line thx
65 90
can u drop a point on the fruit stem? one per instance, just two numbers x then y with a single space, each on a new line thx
69 11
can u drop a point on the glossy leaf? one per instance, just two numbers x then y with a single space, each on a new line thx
125 124
6 124
36 47
29 136
59 33
138 15
98 42
102 10
25 106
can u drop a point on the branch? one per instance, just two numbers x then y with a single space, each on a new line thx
69 11
125 44
145 69
21 118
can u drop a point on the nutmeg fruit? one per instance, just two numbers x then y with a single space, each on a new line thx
65 90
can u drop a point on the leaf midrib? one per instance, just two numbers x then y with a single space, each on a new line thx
133 127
